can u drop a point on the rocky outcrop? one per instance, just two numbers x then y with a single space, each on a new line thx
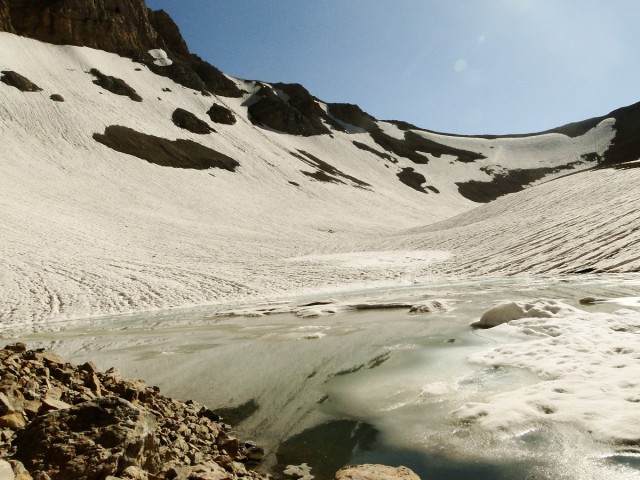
375 472
114 85
18 81
63 422
188 121
179 153
219 114
275 111
115 26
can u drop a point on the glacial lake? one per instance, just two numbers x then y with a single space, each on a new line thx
365 386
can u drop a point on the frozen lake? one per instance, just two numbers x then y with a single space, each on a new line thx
383 385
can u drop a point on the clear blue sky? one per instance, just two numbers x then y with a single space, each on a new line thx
459 66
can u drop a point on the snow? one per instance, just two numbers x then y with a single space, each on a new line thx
89 232
505 312
161 58
588 369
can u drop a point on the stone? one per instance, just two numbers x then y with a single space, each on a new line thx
14 421
188 121
52 359
6 472
114 85
110 435
56 97
375 472
219 114
6 406
53 404
16 80
19 472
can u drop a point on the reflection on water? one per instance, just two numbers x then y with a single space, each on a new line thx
373 386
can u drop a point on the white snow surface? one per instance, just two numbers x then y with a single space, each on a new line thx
87 231
588 366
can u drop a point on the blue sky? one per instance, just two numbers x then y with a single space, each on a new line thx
459 66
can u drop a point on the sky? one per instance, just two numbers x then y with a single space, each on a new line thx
456 66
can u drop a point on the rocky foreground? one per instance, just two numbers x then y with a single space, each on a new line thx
60 421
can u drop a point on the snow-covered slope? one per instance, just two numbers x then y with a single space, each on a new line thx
88 230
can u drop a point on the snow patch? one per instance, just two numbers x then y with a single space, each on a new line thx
161 58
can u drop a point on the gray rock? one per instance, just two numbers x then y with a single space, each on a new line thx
375 472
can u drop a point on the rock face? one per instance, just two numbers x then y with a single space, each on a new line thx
79 423
114 85
375 472
220 114
115 26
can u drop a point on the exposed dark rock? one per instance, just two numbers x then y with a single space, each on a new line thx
169 32
16 80
178 153
274 112
188 121
104 24
57 97
326 173
353 115
305 103
503 183
214 80
367 148
413 179
219 114
114 85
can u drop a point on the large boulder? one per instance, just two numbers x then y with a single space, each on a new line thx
91 440
375 472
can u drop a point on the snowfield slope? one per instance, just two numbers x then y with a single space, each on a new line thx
118 202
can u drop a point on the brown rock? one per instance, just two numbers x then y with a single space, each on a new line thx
52 359
375 472
13 420
17 347
110 434
6 472
19 472
56 97
6 406
53 404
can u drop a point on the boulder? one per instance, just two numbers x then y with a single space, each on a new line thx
375 472
14 79
188 121
90 440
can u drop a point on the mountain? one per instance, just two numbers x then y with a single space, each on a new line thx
137 176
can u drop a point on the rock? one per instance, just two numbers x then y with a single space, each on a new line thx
14 421
19 472
51 359
177 153
57 97
188 121
6 472
299 472
16 80
17 347
375 472
110 434
219 114
114 85
5 405
53 404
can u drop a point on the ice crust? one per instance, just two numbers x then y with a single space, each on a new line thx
588 366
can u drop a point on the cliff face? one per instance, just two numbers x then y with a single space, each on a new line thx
112 25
